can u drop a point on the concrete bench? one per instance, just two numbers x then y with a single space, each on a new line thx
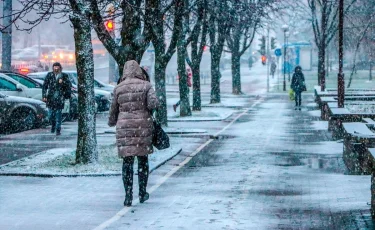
325 102
371 152
318 94
339 115
358 139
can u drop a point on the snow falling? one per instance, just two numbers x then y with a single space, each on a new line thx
201 114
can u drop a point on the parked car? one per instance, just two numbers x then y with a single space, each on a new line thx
97 84
14 84
20 113
103 98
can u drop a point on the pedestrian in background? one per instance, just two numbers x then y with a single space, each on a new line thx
273 67
134 99
189 84
56 89
298 85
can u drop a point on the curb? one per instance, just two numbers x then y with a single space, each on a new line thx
203 120
47 175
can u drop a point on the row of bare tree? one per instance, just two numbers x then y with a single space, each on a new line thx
358 30
170 25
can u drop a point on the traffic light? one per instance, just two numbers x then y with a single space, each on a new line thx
109 25
262 45
273 43
264 59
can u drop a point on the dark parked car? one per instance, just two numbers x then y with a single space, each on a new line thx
103 98
19 113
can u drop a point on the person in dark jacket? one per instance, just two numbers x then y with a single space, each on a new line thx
273 67
56 89
132 103
298 86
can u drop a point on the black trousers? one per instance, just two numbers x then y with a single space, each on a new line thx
127 174
298 98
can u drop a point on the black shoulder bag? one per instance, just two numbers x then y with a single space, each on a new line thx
160 138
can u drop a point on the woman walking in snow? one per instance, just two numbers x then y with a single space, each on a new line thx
298 86
133 100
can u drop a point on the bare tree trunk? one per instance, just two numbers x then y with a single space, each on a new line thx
321 66
370 71
184 89
86 141
215 77
236 73
197 101
161 93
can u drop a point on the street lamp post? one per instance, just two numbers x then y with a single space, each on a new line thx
285 29
340 77
287 43
268 58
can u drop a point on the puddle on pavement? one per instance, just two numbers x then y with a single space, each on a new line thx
312 161
270 192
289 161
222 137
245 118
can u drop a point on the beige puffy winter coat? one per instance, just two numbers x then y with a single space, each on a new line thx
132 102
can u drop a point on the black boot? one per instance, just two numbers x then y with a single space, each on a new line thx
144 197
143 178
128 200
58 132
53 129
127 178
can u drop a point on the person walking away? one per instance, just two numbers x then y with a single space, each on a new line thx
273 68
133 101
56 89
298 86
189 84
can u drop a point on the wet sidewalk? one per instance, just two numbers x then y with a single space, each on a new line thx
275 168
271 168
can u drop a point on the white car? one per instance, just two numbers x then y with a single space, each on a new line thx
11 87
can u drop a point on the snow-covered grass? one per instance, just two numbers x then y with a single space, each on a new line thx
62 162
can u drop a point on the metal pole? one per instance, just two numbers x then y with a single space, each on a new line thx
340 79
287 42
284 83
268 58
6 61
278 72
112 63
323 45
39 49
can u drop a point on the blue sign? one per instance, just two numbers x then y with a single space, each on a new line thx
278 52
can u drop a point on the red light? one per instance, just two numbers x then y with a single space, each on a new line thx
205 48
110 25
264 59
24 70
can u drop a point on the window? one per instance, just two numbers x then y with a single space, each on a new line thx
73 78
6 85
38 76
97 85
23 81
